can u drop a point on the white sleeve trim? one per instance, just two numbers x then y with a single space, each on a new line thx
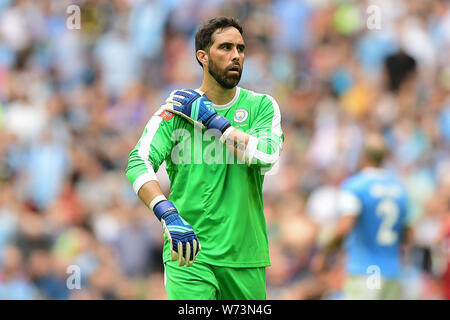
225 135
349 204
144 152
267 158
156 200
143 179
249 152
275 130
144 148
276 119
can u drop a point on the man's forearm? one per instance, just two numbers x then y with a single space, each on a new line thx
241 144
183 242
236 141
261 150
150 193
343 228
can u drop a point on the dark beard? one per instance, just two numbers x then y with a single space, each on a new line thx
227 82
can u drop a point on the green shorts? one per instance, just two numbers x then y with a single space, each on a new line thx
203 281
356 288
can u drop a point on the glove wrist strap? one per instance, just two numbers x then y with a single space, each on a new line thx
162 207
218 122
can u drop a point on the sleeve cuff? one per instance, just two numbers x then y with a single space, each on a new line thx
349 204
249 153
225 135
142 179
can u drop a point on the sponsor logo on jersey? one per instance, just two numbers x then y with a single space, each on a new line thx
380 190
166 115
240 115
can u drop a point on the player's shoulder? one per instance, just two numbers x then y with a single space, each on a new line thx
355 182
395 179
260 99
165 114
383 182
381 176
398 185
162 118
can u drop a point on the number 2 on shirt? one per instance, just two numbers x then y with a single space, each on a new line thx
388 211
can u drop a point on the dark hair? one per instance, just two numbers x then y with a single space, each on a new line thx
399 67
203 36
375 149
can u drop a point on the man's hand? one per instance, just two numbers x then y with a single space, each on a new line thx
184 243
318 263
197 109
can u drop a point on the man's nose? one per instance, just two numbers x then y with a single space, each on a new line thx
236 56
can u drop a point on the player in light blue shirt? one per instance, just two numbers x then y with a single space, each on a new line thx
373 207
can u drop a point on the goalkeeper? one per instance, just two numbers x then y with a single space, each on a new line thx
216 244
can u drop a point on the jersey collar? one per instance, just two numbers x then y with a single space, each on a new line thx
229 104
374 171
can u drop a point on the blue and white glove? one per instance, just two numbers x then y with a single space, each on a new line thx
197 109
184 243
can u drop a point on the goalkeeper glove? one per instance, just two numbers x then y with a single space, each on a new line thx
184 244
197 109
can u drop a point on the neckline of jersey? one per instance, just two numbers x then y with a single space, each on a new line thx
227 105
374 171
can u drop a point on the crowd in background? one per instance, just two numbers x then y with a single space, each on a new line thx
73 103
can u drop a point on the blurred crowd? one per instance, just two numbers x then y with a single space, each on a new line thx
73 103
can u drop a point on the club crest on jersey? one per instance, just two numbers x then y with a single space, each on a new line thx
240 115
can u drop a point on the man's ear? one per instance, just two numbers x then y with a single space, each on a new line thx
202 56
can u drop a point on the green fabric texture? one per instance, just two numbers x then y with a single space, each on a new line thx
219 196
202 281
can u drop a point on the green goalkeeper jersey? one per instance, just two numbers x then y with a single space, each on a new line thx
218 195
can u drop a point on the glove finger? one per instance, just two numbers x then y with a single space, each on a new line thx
195 248
166 231
181 261
188 255
169 107
177 92
193 252
188 93
174 92
175 109
181 96
178 99
193 92
179 113
173 253
174 102
198 248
